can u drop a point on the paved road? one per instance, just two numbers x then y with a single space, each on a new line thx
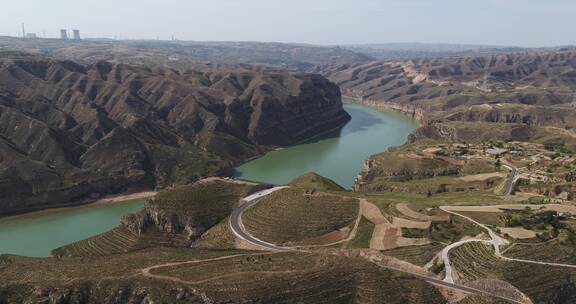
510 182
249 201
236 220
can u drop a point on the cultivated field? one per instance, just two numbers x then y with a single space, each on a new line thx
290 216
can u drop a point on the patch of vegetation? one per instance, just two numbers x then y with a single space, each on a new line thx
552 252
542 283
417 255
313 181
363 235
234 276
482 299
218 237
487 218
413 233
202 205
438 267
452 231
290 215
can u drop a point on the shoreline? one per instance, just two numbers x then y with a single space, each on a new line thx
109 199
278 148
386 106
123 197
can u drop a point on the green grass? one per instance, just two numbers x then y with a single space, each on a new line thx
363 235
314 181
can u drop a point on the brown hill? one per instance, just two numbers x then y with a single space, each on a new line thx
547 78
69 130
533 90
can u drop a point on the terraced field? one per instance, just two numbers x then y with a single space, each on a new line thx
452 231
220 276
541 283
117 240
417 255
207 202
303 278
163 221
218 237
120 240
474 261
290 216
552 252
482 300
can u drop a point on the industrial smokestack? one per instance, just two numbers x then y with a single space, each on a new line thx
23 31
76 34
63 34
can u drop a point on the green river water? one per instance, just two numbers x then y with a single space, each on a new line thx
338 155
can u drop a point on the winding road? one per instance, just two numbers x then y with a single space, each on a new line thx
496 241
239 230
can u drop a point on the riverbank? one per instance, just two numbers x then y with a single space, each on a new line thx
120 198
339 154
108 199
415 113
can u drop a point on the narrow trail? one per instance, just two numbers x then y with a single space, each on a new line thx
147 272
240 232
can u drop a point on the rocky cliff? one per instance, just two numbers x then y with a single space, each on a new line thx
70 131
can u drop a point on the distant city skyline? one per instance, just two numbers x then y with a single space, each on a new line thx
527 23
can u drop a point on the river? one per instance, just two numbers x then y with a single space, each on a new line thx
338 155
35 234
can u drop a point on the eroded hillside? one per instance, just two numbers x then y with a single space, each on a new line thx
69 130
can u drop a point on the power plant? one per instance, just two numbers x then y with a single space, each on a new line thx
75 35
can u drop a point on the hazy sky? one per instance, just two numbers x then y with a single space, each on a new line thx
495 22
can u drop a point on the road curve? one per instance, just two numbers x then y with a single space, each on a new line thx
236 220
238 229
